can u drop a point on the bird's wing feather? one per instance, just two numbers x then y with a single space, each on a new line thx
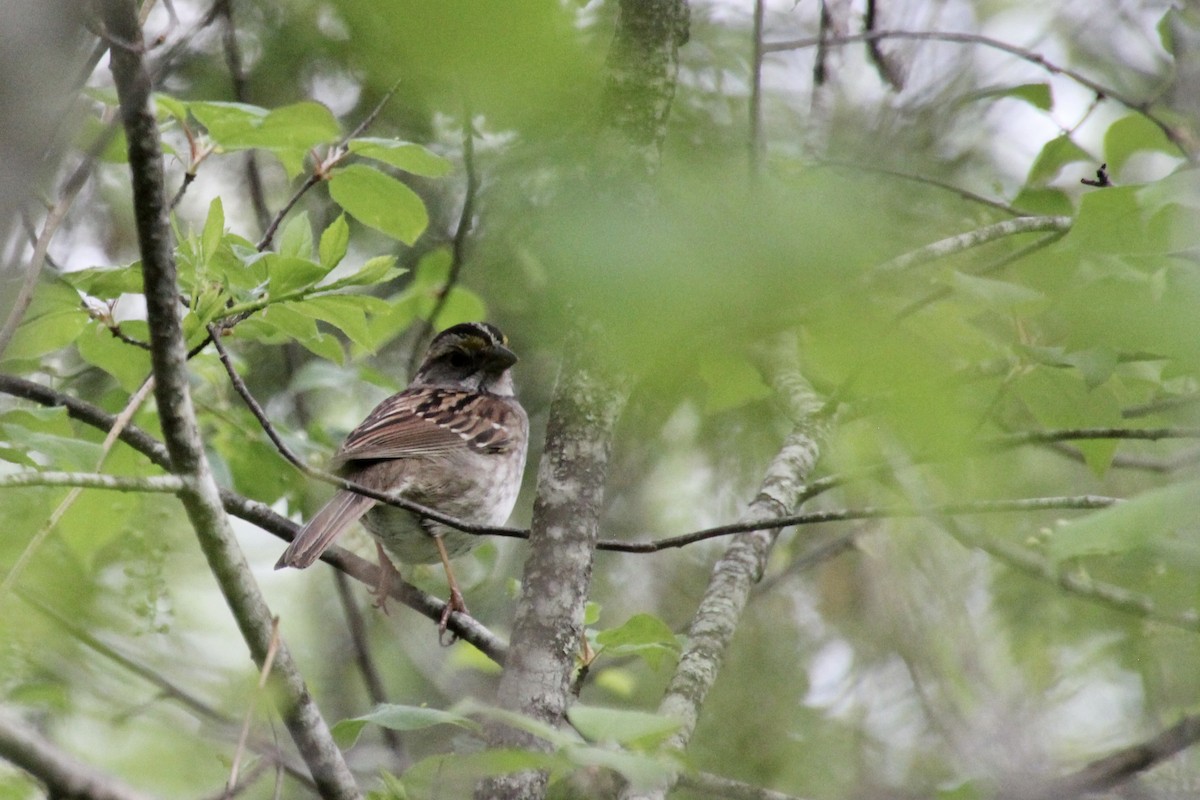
338 514
429 423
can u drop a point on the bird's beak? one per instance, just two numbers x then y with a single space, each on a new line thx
500 358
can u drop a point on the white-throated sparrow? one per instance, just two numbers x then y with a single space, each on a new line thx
453 441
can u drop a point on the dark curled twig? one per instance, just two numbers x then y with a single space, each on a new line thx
1102 178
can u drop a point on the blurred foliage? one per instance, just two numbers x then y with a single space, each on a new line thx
923 662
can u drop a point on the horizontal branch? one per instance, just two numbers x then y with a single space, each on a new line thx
1069 434
1077 503
166 484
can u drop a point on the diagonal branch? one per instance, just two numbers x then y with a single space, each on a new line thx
201 499
720 610
61 773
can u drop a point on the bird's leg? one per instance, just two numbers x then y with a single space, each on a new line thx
387 573
456 601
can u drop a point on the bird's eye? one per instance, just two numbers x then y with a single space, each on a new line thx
459 360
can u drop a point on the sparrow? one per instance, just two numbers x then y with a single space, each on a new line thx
453 441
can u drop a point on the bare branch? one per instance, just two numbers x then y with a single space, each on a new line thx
717 617
1115 769
1029 504
755 110
1141 106
1068 434
62 774
201 498
168 484
1076 582
966 241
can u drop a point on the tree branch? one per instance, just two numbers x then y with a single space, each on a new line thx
62 774
548 630
1140 106
720 610
966 241
166 484
201 497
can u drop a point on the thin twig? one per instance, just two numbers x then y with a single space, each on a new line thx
154 484
965 241
365 661
965 194
1140 106
466 218
1026 504
264 675
755 109
336 153
119 424
237 77
1069 434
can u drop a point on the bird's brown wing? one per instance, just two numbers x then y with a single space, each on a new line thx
409 425
430 423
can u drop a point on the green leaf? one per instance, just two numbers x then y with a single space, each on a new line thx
1096 364
1130 134
379 201
398 718
1110 222
730 383
996 294
170 106
591 612
1041 200
214 229
640 770
65 452
291 274
107 283
1163 513
1059 398
54 319
377 270
624 727
335 239
279 323
344 312
129 364
461 305
407 156
642 635
1037 95
240 126
296 240
1055 155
